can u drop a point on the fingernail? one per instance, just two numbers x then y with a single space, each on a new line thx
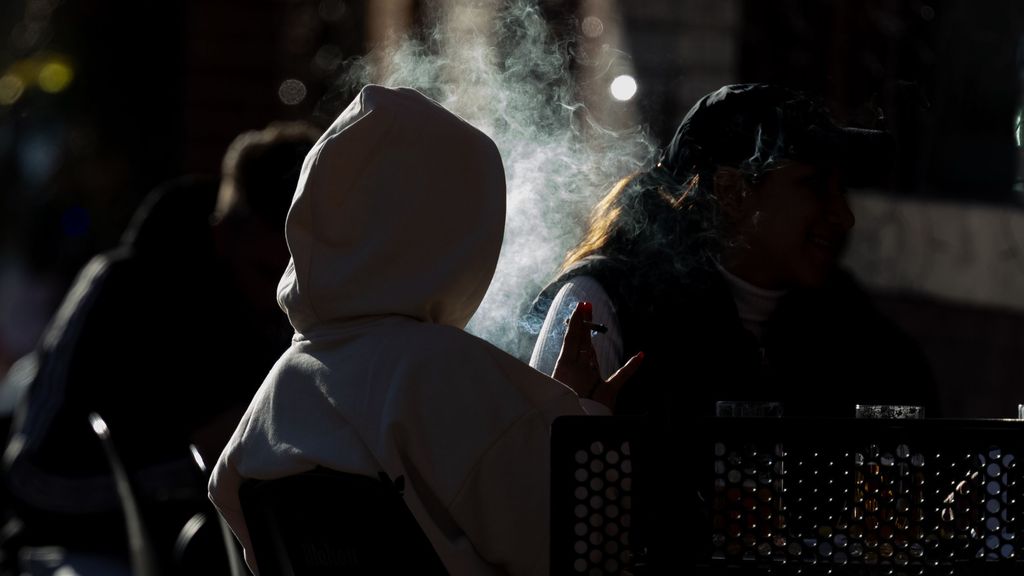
640 355
586 306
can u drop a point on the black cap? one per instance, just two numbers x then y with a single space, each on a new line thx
755 127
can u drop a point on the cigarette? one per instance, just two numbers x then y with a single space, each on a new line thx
593 326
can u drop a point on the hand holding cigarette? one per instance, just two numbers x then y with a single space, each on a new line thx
593 326
577 363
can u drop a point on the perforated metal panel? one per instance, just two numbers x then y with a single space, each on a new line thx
592 495
603 492
866 497
788 496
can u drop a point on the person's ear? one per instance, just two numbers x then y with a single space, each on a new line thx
731 191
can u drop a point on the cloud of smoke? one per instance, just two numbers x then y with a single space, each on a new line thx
506 73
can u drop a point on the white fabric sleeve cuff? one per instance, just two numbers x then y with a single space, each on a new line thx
608 346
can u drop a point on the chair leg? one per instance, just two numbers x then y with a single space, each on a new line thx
140 545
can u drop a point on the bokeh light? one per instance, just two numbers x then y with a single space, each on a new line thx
623 87
592 27
11 89
292 92
328 58
55 76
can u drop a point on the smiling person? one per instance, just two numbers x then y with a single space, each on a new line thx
721 264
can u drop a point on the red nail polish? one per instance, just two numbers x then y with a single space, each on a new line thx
586 306
640 355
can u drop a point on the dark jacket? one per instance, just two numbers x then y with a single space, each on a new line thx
154 337
824 350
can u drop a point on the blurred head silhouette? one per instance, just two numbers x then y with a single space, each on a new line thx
258 178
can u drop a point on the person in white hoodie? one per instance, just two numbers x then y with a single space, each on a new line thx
394 233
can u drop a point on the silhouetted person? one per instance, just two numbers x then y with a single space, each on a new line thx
164 337
394 234
720 263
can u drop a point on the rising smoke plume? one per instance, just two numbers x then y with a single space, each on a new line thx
513 80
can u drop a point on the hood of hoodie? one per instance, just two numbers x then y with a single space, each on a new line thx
399 210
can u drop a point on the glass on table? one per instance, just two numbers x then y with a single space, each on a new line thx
889 411
748 409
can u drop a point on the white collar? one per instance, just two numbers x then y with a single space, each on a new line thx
753 303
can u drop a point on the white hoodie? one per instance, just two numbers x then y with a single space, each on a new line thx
394 233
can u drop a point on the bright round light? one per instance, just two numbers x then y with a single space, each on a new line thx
98 425
623 87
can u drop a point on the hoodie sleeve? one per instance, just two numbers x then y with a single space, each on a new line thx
508 489
608 346
223 492
504 493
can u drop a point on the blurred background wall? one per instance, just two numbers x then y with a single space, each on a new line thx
101 100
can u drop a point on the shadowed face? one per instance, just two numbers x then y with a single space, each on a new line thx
256 253
793 225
